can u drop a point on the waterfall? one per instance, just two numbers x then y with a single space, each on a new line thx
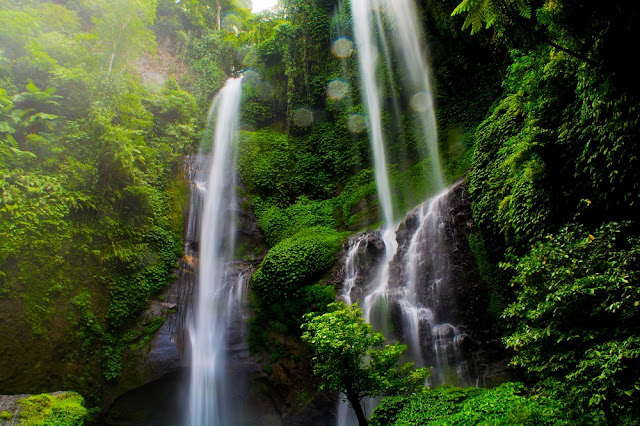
392 27
420 307
408 44
218 295
409 291
406 41
371 96
422 291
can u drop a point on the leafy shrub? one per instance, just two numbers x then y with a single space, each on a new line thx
279 223
575 320
508 404
294 262
65 409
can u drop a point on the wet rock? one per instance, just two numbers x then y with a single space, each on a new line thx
9 404
290 389
443 268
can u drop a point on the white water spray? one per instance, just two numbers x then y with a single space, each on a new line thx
410 48
217 296
418 314
371 95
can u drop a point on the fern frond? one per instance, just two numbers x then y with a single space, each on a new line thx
462 7
485 13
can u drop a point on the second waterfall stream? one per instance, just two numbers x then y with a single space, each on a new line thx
405 291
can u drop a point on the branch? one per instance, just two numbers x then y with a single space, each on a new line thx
542 37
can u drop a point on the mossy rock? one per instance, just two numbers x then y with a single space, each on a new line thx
65 408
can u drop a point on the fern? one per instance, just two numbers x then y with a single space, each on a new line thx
485 13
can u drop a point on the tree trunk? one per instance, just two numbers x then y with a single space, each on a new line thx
219 12
113 55
355 404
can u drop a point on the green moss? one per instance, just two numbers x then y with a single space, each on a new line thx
65 409
6 415
149 331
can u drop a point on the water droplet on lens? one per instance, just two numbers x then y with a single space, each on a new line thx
250 77
302 117
420 101
356 123
342 47
264 90
337 89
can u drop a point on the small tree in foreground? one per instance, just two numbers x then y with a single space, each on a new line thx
343 355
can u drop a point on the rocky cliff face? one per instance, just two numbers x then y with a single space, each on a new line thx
483 348
441 266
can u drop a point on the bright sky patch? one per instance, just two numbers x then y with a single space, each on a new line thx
260 5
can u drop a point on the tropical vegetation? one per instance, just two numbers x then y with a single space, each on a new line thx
538 112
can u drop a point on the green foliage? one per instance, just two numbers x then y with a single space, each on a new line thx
509 181
536 154
211 60
490 274
356 201
411 186
266 163
6 415
345 355
604 129
293 262
65 409
490 12
16 29
575 320
281 168
550 154
280 223
88 164
123 28
508 404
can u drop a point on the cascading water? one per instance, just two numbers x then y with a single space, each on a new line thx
217 295
422 291
372 98
368 27
409 288
409 47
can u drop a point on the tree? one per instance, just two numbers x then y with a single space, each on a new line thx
575 320
342 344
538 24
124 27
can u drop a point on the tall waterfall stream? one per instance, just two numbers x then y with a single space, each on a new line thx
219 294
